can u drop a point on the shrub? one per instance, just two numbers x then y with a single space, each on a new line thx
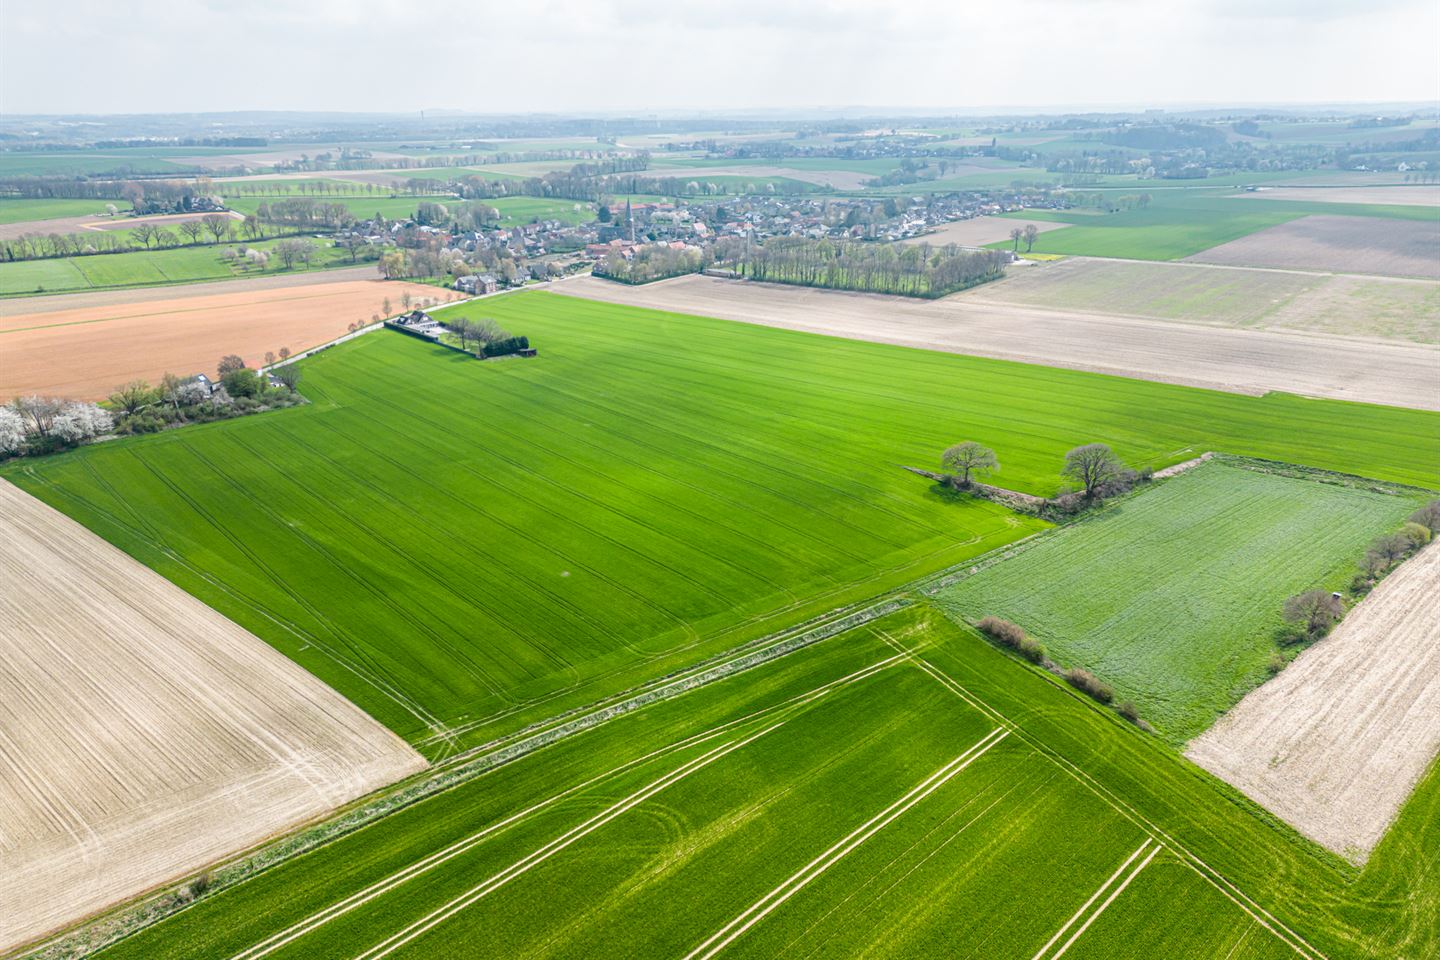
1314 611
1428 516
199 885
1011 635
1417 533
1129 711
1276 663
505 347
1089 684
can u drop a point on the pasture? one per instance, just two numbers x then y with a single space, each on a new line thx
898 790
1341 244
142 268
1173 596
144 735
517 210
14 210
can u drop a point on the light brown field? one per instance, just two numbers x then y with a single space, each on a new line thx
1241 361
142 734
1336 743
979 231
1403 195
85 353
1401 248
839 179
1370 307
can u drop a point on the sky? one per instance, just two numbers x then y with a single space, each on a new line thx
561 56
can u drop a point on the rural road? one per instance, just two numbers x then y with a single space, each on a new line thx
1238 361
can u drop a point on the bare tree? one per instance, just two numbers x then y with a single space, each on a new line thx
1394 547
230 363
217 225
288 375
284 353
1314 611
967 458
1031 232
269 358
1092 466
38 413
1016 234
192 229
1428 516
146 233
172 388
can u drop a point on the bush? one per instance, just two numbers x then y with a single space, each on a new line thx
1089 684
1011 635
199 885
1428 516
1417 533
1276 663
1129 711
1314 612
505 347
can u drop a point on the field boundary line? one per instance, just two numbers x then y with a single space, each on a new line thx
430 861
1093 897
1258 913
90 937
525 864
811 871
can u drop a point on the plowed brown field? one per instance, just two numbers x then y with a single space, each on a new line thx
142 734
1337 741
85 353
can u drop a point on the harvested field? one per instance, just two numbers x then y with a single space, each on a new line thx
839 179
1402 248
1239 361
979 231
1335 743
9 231
1406 194
142 734
1368 307
84 353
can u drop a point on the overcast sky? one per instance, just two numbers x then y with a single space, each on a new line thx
150 56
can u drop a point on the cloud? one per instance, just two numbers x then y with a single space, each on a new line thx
566 56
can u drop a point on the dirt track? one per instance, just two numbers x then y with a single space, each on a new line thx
1335 743
142 734
85 353
1240 361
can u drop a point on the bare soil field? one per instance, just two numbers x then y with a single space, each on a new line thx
1241 361
264 158
1401 248
1368 307
162 220
84 353
1336 742
839 179
142 734
979 231
1404 195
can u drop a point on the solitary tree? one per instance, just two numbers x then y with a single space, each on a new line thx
229 363
270 354
967 458
284 353
131 396
1031 232
288 375
1015 236
1092 466
1314 611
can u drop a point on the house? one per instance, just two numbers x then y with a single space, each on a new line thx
477 284
202 381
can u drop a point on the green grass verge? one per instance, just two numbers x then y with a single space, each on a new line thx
1173 596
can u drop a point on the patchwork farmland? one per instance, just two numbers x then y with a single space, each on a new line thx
1174 598
1341 244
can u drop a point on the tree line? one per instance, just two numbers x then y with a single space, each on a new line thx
914 270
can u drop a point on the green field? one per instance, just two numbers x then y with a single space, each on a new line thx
517 210
392 208
1180 223
146 268
1173 596
459 547
899 790
21 211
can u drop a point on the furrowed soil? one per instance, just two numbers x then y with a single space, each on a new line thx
85 353
1239 361
1335 743
142 734
979 231
1402 248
